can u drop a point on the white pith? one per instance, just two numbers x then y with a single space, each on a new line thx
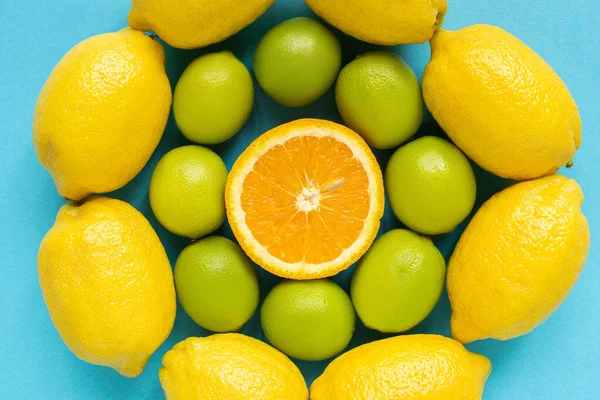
309 199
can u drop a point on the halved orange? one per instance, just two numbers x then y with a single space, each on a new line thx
304 200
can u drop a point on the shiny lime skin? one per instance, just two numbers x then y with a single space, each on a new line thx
213 98
187 191
297 61
398 281
430 185
216 284
379 96
308 320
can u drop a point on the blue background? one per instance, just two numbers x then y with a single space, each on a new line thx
559 360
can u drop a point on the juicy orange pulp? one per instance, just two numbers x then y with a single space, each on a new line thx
307 199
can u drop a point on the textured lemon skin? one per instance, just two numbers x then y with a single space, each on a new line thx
383 22
416 367
229 366
501 103
107 283
517 260
102 113
195 23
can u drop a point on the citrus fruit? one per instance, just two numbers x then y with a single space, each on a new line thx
297 61
308 320
195 23
430 185
501 103
91 129
229 366
216 284
186 191
107 283
398 281
517 260
420 367
383 22
304 200
379 96
213 98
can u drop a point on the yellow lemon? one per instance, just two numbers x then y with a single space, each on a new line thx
383 22
517 260
417 367
229 366
102 113
190 24
501 103
107 283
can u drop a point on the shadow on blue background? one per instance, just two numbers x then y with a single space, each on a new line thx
559 360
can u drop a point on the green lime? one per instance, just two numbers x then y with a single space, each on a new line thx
398 281
213 98
297 61
216 284
431 185
308 320
187 191
379 96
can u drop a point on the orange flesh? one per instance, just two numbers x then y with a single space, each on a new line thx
306 200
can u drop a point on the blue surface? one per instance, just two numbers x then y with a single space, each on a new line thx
559 360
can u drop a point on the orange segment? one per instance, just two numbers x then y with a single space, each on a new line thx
305 199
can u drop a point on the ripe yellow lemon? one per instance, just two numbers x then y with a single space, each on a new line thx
107 283
102 113
229 366
501 103
418 367
517 260
383 22
190 24
304 200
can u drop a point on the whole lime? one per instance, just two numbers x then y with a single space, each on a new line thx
431 185
398 281
297 61
187 191
213 98
379 96
216 284
308 320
